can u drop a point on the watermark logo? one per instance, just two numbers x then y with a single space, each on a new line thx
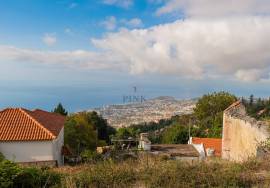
134 98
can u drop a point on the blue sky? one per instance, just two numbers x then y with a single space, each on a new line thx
89 53
23 23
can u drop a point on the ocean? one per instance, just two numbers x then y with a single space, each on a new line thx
82 96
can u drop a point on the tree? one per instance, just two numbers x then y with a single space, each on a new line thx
80 133
104 130
60 110
209 111
251 100
125 133
86 131
259 108
176 134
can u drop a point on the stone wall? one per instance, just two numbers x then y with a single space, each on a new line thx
241 134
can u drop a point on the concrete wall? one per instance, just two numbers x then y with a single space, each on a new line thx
57 148
200 149
241 134
27 151
34 151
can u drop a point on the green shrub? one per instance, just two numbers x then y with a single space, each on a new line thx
90 156
12 175
9 171
32 177
2 157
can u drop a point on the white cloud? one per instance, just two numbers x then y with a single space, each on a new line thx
110 23
211 8
195 48
251 74
120 3
236 47
133 23
76 58
49 39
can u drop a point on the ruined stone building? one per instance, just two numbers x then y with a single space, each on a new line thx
242 134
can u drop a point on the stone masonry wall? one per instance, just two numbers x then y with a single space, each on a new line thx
241 134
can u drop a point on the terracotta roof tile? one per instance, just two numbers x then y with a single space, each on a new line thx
18 124
214 143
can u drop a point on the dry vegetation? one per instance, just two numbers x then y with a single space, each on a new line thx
157 172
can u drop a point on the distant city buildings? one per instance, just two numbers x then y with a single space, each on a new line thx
146 111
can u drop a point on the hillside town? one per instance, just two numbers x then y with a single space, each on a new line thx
151 110
41 134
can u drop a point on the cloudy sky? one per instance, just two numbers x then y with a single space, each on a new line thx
89 53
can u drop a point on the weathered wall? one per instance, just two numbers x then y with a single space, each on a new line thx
241 134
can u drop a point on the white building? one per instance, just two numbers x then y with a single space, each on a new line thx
144 142
31 136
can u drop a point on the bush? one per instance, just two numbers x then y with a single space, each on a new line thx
9 171
90 156
12 175
2 157
32 177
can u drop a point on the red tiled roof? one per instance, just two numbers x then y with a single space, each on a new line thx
214 143
18 124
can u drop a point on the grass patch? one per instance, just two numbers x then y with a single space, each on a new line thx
152 172
156 172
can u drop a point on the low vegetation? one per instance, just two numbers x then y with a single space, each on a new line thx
147 171
157 172
13 175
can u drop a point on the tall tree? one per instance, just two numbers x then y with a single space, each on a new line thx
80 133
176 134
59 109
209 111
86 131
251 100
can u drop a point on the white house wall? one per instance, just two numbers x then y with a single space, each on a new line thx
33 151
57 147
27 151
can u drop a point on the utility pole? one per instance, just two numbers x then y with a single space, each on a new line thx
189 130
